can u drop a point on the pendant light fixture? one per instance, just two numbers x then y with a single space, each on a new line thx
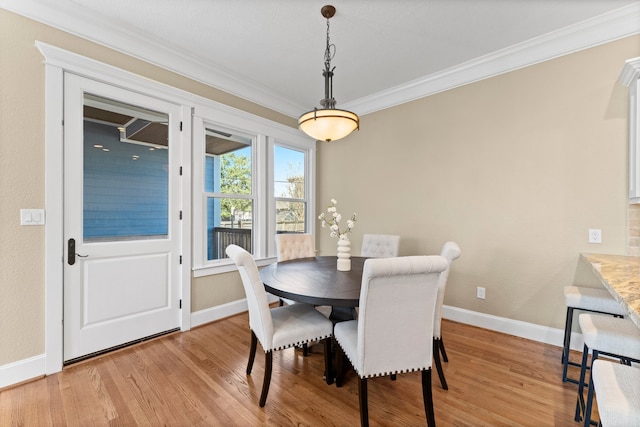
328 123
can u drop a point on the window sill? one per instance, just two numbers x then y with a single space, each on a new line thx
225 266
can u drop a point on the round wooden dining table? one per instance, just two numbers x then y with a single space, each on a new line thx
317 281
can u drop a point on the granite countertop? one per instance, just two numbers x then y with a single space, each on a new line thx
620 274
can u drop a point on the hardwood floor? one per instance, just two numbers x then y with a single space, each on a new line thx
198 378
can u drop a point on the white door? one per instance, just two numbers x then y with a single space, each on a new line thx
121 216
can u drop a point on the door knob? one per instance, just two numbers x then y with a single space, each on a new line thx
71 252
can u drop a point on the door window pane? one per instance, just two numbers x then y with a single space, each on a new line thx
125 172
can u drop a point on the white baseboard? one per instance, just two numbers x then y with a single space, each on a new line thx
518 328
22 370
221 311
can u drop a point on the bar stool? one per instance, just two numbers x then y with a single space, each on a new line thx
586 299
618 392
609 336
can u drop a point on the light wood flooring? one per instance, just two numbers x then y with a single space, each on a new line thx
197 378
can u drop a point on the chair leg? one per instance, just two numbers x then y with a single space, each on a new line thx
587 411
339 366
394 377
583 370
305 350
436 358
252 352
268 364
364 408
328 369
443 351
427 396
567 340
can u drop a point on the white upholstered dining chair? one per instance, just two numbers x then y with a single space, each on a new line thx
380 245
280 327
451 251
294 246
391 335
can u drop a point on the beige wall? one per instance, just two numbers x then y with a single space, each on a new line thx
515 169
22 163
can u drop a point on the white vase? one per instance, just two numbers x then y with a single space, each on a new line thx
344 254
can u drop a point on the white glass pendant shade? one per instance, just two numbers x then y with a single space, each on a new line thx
328 124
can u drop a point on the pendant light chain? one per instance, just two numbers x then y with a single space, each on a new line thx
328 56
328 123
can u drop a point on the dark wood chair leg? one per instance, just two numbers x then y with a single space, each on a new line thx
328 369
252 352
305 350
364 408
268 364
281 302
427 396
443 351
339 366
436 359
394 377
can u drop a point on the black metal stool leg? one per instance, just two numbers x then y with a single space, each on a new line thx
583 370
565 349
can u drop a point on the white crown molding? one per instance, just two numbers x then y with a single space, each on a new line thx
602 29
605 28
129 42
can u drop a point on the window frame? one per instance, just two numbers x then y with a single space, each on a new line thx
265 136
309 213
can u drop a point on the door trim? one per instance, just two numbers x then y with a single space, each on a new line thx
58 61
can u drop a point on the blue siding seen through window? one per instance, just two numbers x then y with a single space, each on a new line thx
125 188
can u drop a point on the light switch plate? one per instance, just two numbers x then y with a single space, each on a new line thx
31 216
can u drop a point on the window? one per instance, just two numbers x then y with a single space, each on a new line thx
289 190
251 181
229 198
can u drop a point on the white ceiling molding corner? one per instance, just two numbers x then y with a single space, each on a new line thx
612 26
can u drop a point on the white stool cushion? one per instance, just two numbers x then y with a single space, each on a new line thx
592 299
618 393
610 334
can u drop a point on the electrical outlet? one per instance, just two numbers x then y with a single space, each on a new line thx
480 292
595 235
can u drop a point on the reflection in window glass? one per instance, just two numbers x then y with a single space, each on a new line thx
228 174
125 171
289 190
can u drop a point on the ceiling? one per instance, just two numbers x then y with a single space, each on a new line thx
387 52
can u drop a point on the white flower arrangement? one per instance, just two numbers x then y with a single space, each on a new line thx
332 219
